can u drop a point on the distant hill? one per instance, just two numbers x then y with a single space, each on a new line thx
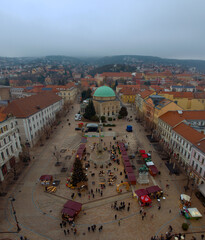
101 61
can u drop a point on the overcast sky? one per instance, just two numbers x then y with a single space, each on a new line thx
164 28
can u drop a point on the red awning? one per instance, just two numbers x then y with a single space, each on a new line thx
153 189
142 151
131 178
46 177
69 212
144 155
125 157
141 192
153 169
73 205
129 169
127 164
145 199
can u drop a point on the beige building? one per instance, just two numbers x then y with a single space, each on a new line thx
105 102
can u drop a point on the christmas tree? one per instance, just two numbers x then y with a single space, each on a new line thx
78 173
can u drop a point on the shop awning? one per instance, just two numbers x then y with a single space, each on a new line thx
185 197
131 178
142 151
144 156
145 199
141 192
194 212
69 212
153 189
46 178
149 163
127 164
129 169
76 206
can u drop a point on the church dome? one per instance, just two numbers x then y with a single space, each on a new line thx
104 91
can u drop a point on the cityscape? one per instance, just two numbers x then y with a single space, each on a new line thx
102 138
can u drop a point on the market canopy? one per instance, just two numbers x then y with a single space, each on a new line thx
76 206
149 163
145 199
127 164
153 189
131 178
185 197
125 157
153 169
141 192
129 169
142 151
46 178
144 156
69 212
194 212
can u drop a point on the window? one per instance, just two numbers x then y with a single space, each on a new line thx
7 152
16 145
202 161
193 164
196 167
2 155
12 150
200 170
198 157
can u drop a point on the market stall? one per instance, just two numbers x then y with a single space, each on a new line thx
71 209
131 178
191 213
154 191
145 200
153 170
46 179
185 200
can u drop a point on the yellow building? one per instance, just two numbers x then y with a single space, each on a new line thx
186 100
128 95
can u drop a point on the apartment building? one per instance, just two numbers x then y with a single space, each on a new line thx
33 114
10 146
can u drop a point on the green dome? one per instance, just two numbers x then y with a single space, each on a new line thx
104 91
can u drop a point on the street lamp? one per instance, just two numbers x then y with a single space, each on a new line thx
14 213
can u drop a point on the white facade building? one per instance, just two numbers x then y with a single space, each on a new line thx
34 113
10 146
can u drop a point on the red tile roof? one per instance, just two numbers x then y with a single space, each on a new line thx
172 118
146 93
188 133
116 74
201 145
25 107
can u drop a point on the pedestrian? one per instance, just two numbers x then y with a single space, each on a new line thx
119 222
202 236
64 231
140 211
115 216
93 195
64 223
159 207
88 197
101 193
145 214
170 210
61 225
128 208
88 229
142 217
68 231
75 231
21 238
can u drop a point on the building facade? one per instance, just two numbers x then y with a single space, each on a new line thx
10 146
105 102
33 114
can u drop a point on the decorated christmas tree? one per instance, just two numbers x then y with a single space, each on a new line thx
78 173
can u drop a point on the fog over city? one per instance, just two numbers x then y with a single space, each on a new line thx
171 28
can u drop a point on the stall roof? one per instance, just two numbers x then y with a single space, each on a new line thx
46 177
73 205
131 178
141 192
145 199
194 212
153 189
69 212
144 155
154 169
185 197
142 151
149 163
129 169
127 164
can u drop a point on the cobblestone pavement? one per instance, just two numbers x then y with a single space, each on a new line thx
38 212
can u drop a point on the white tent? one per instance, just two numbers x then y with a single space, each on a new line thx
185 197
